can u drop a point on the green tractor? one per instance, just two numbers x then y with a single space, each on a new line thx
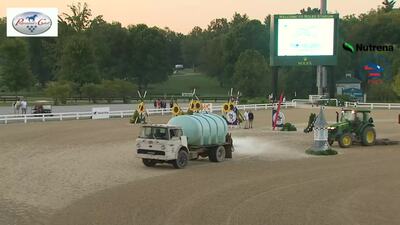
355 125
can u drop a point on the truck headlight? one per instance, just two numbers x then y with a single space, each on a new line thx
162 147
138 145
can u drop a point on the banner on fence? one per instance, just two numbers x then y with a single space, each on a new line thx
100 113
207 107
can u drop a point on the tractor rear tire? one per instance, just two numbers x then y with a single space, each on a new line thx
149 162
182 160
368 137
346 140
217 154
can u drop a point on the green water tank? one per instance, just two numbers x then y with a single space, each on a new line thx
202 128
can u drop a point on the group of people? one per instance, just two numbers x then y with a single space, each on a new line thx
162 104
248 119
20 105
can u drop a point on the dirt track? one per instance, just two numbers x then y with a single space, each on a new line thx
85 172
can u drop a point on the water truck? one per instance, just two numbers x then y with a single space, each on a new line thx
184 138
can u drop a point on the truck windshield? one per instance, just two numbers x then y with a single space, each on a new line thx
154 133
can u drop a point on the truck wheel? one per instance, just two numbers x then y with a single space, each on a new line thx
149 162
182 160
217 154
345 140
368 136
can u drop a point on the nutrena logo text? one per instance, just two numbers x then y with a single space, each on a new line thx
32 22
367 48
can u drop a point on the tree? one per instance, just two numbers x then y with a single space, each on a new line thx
192 46
310 11
388 5
40 62
396 85
59 91
174 46
147 55
109 43
250 73
15 69
77 62
92 91
248 35
79 20
3 26
381 93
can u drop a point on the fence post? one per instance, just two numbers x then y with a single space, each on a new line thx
244 107
43 118
162 112
255 107
25 120
61 118
5 120
122 114
77 116
389 106
372 106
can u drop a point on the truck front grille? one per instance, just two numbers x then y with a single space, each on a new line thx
150 152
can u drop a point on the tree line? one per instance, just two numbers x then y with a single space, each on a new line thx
95 58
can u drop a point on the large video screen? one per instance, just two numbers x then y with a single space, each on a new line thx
306 37
304 40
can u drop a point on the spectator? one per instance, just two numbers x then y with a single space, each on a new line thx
17 106
158 103
24 106
246 119
171 103
251 118
155 104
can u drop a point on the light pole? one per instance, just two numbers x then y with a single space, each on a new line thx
322 73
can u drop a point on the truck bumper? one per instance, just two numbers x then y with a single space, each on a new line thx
151 154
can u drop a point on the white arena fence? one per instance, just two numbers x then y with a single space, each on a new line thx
5 119
373 105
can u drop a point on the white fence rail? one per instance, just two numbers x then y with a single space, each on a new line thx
373 105
308 101
5 119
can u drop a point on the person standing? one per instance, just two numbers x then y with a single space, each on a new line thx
246 119
24 106
251 118
17 106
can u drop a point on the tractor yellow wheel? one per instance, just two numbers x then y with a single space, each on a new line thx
368 136
345 140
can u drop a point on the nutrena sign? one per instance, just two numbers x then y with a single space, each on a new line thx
32 22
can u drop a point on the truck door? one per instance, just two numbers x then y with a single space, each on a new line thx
175 135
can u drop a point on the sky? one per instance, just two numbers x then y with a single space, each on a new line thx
183 15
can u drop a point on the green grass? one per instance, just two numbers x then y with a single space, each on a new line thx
186 81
